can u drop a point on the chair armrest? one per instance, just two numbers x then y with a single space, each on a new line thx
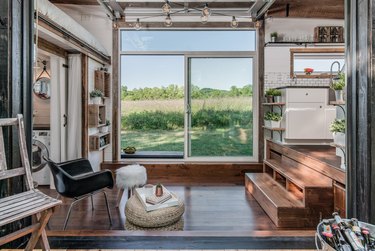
76 167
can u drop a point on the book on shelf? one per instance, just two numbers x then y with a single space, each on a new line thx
167 200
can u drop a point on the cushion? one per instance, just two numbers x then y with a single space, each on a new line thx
137 215
131 176
178 226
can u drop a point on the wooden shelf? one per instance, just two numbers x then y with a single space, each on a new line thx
99 141
337 145
97 115
274 104
274 129
303 43
103 82
337 103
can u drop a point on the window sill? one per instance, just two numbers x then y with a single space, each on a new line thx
153 155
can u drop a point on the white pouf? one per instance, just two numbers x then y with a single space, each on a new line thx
129 177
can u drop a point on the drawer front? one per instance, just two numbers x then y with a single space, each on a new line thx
307 95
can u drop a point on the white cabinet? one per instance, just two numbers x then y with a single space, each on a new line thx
307 115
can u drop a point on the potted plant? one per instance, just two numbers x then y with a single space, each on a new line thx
269 95
275 120
277 96
267 119
308 71
96 96
273 37
105 128
338 85
338 129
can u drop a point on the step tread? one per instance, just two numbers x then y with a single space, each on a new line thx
302 177
278 195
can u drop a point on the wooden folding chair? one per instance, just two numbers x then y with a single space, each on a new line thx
32 202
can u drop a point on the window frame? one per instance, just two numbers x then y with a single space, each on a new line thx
203 54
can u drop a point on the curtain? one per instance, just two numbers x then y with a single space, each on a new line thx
74 108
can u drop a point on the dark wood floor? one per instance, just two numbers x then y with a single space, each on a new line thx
208 208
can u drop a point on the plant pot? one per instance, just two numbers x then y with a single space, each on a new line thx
339 95
97 100
269 99
275 124
277 99
273 39
339 138
267 123
104 129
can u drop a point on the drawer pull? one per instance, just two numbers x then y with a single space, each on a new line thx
307 94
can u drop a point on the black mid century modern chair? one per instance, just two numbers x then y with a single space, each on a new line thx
76 179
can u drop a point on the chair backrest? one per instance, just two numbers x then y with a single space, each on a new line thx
25 168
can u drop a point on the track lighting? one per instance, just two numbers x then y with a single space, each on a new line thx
206 11
168 21
166 7
137 25
204 19
234 22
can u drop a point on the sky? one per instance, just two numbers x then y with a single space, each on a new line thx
139 71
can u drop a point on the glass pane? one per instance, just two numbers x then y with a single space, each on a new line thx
318 62
187 40
221 120
152 103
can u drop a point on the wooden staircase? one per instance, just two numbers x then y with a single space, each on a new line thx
292 194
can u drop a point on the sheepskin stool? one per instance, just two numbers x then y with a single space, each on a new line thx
129 177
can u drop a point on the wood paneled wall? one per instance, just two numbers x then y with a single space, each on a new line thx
194 174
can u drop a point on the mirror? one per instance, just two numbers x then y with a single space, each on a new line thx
314 62
42 88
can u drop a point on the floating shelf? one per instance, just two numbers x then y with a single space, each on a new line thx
103 82
274 104
96 115
99 141
338 146
273 129
337 103
305 43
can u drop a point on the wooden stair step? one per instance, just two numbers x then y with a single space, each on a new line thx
283 208
302 177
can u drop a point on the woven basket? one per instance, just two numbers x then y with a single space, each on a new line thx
136 214
177 226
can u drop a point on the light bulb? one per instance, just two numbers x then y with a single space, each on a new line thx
137 25
204 19
168 21
166 8
234 22
115 25
206 11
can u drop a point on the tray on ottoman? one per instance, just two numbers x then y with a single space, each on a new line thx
137 215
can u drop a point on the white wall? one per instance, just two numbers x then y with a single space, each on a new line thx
277 57
94 19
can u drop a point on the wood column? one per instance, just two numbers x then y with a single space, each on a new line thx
116 95
16 33
361 109
261 43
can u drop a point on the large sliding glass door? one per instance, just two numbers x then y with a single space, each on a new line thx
220 107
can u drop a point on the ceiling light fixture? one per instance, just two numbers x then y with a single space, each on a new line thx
137 25
206 11
168 21
166 7
234 22
204 19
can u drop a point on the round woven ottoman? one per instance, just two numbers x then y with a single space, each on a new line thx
136 215
178 226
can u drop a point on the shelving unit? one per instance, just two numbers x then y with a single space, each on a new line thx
272 130
97 115
103 82
280 104
99 141
340 104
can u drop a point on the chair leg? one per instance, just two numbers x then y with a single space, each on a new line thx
109 213
92 203
40 232
119 196
68 215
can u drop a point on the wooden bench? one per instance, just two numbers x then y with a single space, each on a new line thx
32 202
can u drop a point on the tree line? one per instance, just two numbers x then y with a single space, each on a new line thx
177 92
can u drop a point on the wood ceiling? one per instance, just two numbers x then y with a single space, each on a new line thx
332 9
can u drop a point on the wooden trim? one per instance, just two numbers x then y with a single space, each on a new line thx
52 48
116 94
85 107
261 62
311 50
191 173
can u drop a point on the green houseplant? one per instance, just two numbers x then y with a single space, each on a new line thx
273 37
338 85
338 130
277 96
269 95
96 96
272 120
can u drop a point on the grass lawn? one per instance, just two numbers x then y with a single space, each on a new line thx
218 142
